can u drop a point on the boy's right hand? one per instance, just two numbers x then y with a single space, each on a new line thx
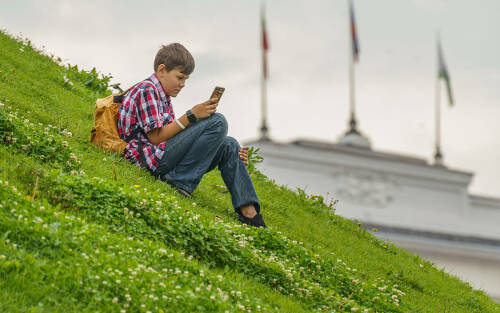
205 109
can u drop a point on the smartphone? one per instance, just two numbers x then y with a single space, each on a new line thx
217 93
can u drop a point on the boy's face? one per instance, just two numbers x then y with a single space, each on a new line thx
172 81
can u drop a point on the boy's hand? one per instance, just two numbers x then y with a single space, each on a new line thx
205 109
244 155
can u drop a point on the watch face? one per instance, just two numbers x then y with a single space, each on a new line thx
191 117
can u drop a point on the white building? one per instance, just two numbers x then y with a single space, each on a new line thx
421 207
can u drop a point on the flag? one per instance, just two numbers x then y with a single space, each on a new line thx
443 73
265 43
354 37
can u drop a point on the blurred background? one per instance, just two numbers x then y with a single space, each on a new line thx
309 48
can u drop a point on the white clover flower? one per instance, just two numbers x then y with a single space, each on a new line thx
115 300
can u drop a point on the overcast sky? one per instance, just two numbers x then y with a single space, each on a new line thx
308 85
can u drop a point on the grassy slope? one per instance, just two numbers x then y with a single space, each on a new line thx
33 82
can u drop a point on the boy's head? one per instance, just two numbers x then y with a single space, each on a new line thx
173 65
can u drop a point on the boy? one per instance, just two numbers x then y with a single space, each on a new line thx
181 150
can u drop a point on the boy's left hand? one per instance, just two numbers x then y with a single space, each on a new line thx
244 155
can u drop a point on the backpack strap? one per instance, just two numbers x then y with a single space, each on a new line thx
118 98
136 134
133 134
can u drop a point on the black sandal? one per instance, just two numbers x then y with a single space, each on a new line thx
256 221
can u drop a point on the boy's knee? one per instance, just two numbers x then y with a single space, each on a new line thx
219 120
232 143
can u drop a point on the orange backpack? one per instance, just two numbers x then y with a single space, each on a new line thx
104 134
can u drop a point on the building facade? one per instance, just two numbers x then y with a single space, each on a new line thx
421 207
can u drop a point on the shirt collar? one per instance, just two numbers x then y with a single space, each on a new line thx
164 97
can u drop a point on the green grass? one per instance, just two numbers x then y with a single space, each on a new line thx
103 217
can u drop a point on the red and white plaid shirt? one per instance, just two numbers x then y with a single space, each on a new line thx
147 106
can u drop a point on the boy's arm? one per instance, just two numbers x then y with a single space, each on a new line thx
201 111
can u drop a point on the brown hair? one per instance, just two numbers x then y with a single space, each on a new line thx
174 55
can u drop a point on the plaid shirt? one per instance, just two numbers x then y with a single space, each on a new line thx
147 106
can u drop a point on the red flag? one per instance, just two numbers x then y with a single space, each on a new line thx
354 37
265 44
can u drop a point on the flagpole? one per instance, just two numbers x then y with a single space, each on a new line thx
263 82
352 93
438 157
352 99
263 100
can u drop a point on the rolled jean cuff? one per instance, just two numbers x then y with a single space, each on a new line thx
173 182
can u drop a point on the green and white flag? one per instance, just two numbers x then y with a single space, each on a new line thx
443 73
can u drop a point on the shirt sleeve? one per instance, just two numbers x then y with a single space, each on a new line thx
149 111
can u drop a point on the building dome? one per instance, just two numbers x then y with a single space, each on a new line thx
355 139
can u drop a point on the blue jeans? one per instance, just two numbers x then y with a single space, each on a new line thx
200 148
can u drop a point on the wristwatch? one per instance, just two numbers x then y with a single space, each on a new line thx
191 117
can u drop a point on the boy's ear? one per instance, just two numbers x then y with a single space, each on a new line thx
161 67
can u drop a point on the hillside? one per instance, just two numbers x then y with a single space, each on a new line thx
85 231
